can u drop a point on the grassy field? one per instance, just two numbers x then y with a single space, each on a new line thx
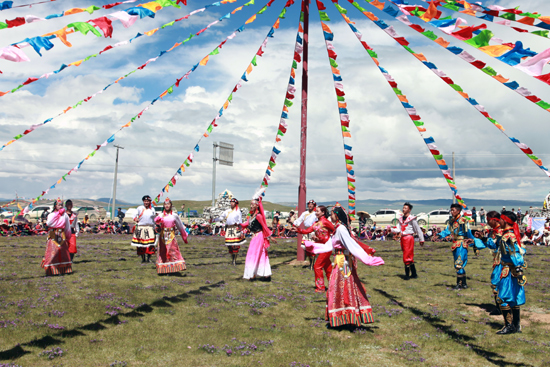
113 311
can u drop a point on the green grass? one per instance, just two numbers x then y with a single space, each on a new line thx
113 309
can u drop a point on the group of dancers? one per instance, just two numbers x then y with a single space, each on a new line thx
325 234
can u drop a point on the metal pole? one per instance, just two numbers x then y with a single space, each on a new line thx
214 175
114 183
302 189
454 177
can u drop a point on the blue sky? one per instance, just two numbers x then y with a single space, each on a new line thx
391 161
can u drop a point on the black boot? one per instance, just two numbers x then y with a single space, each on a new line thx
508 326
148 258
458 285
142 259
516 319
464 285
496 311
234 259
413 271
407 272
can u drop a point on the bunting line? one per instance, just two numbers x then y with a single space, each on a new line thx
342 106
27 19
187 162
527 20
479 37
202 62
290 95
492 11
127 17
166 92
149 33
6 5
478 64
409 108
8 204
481 109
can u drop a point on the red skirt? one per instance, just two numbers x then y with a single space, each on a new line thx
169 259
347 301
72 244
57 259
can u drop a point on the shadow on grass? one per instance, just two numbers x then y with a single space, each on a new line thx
457 337
46 341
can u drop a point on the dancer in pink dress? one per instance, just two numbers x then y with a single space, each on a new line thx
347 301
169 259
257 261
57 259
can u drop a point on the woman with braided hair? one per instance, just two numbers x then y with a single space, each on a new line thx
347 301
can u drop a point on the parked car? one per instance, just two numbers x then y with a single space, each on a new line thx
6 213
94 213
384 216
36 212
439 216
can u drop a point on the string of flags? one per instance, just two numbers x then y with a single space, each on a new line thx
483 39
8 4
481 109
7 204
163 94
127 17
27 19
464 55
489 18
290 95
342 106
187 162
162 53
149 33
507 14
411 110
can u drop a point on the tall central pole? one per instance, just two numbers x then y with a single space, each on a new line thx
302 190
214 175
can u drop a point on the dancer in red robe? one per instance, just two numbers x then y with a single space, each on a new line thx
169 259
57 259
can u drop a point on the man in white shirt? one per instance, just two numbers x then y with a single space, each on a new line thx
308 218
233 235
144 233
408 226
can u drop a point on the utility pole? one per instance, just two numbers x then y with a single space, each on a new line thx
302 189
454 177
114 183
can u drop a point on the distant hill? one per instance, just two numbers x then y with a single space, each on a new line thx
372 205
118 202
199 205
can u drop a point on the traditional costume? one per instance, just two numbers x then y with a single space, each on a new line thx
169 259
308 218
57 259
257 260
322 230
233 234
408 227
459 229
510 288
492 242
347 301
144 233
75 231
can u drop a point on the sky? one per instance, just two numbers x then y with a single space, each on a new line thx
391 159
